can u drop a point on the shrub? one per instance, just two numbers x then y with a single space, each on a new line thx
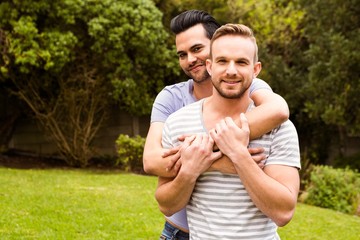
130 152
337 189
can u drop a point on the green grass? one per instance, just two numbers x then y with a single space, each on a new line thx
81 204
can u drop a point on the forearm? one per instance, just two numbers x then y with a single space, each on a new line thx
275 199
271 110
223 165
153 161
173 194
155 164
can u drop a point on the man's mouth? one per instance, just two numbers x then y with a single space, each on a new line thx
231 82
195 68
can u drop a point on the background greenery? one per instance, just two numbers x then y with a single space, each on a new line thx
94 204
58 54
66 62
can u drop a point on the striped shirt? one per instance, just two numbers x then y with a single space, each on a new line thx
220 207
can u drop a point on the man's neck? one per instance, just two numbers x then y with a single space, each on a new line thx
203 89
216 108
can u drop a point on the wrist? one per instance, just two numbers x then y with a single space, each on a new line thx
187 176
241 154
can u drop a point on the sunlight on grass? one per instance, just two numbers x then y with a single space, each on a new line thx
81 204
75 204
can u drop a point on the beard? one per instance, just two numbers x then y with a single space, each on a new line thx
231 93
201 76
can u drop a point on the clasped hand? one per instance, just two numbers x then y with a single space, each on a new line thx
257 153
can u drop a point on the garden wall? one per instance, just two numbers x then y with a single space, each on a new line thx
27 137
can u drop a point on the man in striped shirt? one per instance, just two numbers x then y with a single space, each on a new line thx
253 202
193 30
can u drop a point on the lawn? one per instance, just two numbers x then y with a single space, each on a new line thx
85 204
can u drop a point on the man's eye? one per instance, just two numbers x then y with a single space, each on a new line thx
182 55
242 62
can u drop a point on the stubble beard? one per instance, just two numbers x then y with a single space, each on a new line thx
231 95
204 77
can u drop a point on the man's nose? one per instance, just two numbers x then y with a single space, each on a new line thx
231 69
191 58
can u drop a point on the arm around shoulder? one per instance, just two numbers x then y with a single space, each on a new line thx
271 110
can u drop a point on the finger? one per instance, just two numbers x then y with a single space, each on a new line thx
210 140
173 161
206 141
220 125
212 133
244 123
198 139
261 164
258 158
256 150
216 155
177 166
188 141
171 151
182 137
230 122
210 143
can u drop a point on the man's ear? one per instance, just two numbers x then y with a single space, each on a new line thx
257 69
208 66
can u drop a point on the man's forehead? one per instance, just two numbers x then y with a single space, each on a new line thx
232 45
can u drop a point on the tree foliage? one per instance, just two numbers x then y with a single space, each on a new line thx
309 51
65 59
310 55
332 30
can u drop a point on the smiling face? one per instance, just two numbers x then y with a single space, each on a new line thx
232 65
193 48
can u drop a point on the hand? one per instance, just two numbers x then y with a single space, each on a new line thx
197 154
229 137
257 154
175 156
174 164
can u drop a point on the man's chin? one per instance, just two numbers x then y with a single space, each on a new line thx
204 78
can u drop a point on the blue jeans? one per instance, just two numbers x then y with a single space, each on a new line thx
172 233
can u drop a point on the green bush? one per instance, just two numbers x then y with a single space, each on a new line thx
130 152
337 189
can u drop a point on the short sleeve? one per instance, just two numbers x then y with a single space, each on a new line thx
163 106
285 146
257 84
171 99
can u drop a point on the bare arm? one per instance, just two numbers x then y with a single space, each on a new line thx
271 110
274 191
172 194
153 161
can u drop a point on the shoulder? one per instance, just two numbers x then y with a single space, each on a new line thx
179 87
287 127
179 92
257 84
189 110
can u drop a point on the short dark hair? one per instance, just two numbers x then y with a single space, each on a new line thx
190 18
